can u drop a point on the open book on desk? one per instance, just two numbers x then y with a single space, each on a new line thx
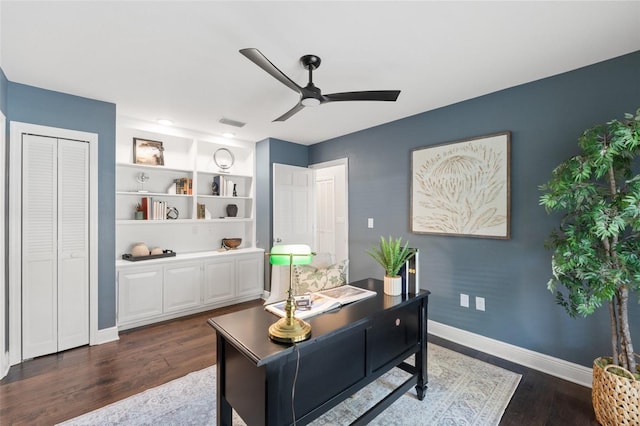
323 301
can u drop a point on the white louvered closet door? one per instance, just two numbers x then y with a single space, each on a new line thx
73 244
39 251
55 289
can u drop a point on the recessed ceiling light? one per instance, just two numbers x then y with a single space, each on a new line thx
165 122
228 135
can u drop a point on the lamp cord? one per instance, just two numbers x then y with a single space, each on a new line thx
295 379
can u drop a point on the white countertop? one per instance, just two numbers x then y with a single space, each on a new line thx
120 263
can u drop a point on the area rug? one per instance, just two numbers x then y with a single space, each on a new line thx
461 391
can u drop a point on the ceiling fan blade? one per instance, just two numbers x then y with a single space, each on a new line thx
255 56
371 95
290 113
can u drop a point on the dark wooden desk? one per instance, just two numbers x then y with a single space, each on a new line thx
348 349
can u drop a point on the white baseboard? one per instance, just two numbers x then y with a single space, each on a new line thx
547 364
105 335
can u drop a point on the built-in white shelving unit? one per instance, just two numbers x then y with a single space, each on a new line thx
201 276
187 155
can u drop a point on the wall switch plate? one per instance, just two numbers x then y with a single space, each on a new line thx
370 222
464 300
480 303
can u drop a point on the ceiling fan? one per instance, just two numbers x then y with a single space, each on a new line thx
310 95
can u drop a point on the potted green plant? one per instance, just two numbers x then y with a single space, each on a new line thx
596 251
391 255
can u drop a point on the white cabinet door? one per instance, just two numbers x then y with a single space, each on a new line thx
140 293
219 280
182 283
250 273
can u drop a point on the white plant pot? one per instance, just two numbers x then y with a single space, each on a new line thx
393 285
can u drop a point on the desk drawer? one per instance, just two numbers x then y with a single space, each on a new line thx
392 334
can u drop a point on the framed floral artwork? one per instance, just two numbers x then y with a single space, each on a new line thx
462 188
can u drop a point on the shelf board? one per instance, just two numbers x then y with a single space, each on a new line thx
226 219
231 175
180 221
159 168
153 194
223 198
152 222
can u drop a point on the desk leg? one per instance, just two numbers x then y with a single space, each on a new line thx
421 355
223 409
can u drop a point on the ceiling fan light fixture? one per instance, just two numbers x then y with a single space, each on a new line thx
310 102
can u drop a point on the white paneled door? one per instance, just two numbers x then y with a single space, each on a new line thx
293 205
55 244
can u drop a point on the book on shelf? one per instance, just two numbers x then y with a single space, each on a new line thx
225 187
201 211
184 186
228 188
153 209
324 301
216 187
144 203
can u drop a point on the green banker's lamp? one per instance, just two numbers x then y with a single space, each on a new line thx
290 329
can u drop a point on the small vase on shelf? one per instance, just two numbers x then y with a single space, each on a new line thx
232 210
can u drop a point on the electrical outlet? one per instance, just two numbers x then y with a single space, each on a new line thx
480 303
464 300
370 222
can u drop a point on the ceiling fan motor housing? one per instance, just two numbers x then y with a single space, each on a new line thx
310 61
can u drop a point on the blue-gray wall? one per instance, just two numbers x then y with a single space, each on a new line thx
4 83
48 108
545 119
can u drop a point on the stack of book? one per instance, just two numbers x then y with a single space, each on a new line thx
154 209
184 186
226 187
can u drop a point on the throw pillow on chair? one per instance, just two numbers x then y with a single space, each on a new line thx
310 278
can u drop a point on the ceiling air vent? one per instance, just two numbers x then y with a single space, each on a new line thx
233 123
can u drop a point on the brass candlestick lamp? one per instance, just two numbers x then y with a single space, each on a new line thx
290 329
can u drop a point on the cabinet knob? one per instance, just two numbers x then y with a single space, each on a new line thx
397 322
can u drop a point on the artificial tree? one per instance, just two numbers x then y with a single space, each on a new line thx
596 248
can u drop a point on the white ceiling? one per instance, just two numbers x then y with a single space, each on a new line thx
180 60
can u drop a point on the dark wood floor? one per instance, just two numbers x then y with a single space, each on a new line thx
54 388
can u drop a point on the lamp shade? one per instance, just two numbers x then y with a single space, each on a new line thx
290 254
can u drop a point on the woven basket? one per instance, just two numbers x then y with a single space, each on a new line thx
616 399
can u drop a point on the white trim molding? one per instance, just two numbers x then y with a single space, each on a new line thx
105 335
4 296
547 364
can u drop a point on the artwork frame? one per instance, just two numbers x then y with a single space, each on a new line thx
148 152
463 188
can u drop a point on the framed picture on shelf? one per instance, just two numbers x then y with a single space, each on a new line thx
462 188
146 151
